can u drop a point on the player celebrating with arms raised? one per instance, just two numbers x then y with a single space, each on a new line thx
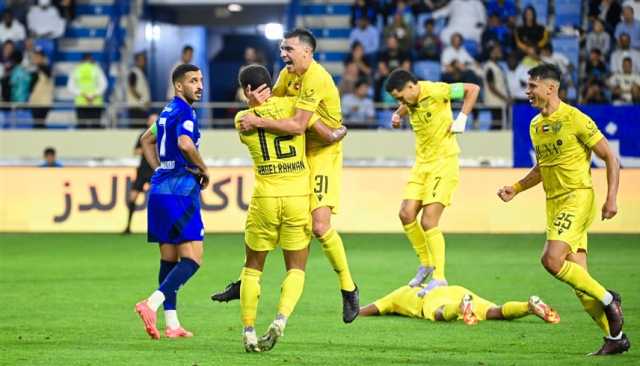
435 175
173 213
563 138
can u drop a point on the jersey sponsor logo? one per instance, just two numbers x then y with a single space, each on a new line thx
547 150
188 125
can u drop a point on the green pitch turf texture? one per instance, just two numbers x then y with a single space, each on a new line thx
68 300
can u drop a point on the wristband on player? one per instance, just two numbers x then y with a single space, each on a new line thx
517 187
459 124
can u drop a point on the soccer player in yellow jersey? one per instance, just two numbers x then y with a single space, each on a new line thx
447 303
563 138
278 213
435 175
316 92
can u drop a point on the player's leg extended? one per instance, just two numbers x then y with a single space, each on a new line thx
409 210
250 295
131 207
168 260
291 291
519 309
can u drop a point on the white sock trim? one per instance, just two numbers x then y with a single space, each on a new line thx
616 338
171 319
155 300
608 298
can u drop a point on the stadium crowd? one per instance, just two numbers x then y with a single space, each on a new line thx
493 43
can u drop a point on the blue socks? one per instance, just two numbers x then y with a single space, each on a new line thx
170 299
177 277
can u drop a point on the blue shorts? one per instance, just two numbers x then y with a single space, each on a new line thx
173 219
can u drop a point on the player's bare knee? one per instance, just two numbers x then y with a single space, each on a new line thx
428 222
320 227
406 216
551 263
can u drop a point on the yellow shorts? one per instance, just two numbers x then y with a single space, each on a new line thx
433 182
453 295
278 220
569 216
326 179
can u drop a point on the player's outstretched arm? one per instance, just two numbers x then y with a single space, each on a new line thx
296 125
328 135
532 178
369 310
148 143
189 150
602 150
470 94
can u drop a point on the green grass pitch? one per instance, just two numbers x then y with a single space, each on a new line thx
68 300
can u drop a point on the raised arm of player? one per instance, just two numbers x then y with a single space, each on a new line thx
532 178
602 150
296 125
189 150
148 144
328 135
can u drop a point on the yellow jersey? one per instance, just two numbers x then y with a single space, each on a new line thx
430 120
279 161
562 143
403 301
315 92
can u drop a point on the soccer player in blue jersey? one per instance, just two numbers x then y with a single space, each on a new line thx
174 222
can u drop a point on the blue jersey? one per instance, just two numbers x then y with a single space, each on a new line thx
176 119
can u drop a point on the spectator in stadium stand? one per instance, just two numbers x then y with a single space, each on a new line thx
357 107
28 51
624 50
10 28
429 46
185 58
517 77
622 83
594 93
505 10
350 77
50 160
19 79
8 47
138 92
44 21
496 92
364 9
608 11
87 82
496 33
367 36
548 55
595 67
391 7
401 30
426 6
530 34
629 25
41 89
598 38
635 4
467 17
251 56
357 56
66 8
456 54
393 57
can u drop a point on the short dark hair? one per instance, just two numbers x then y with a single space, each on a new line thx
361 82
187 48
49 151
398 79
254 75
304 35
181 70
546 71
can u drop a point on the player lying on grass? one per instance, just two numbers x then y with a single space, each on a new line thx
448 303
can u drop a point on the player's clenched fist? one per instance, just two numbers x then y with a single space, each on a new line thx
395 120
507 193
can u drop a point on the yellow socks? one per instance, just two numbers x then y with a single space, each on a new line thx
435 243
514 309
578 278
249 295
594 308
416 237
334 250
291 291
450 311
